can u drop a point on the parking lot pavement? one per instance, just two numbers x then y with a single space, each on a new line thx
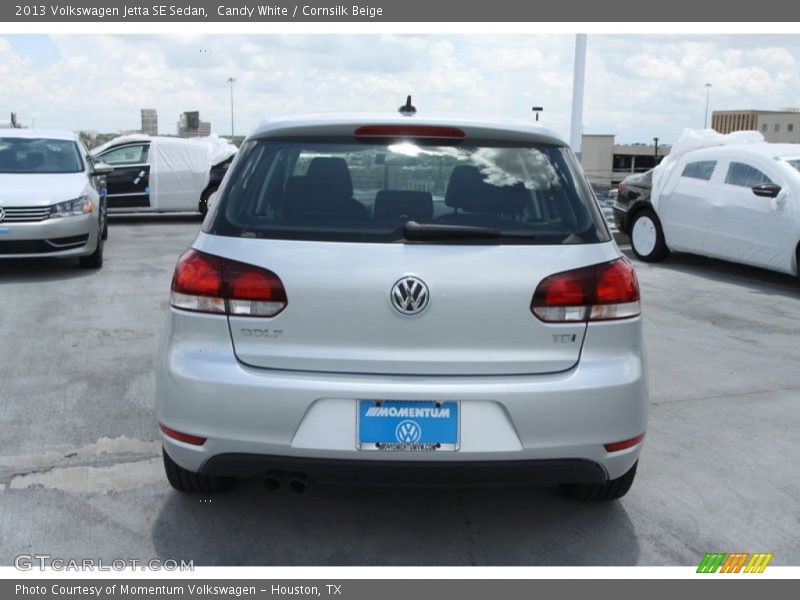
80 474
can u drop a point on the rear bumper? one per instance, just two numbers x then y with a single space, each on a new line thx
398 473
71 236
203 390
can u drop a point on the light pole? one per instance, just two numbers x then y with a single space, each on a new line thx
655 154
231 80
578 77
708 93
537 110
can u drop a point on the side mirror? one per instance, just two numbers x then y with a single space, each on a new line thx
101 169
767 190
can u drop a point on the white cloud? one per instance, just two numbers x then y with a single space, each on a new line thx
637 86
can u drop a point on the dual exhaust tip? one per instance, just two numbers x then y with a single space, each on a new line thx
296 482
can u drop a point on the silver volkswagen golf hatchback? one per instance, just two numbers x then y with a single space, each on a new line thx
403 300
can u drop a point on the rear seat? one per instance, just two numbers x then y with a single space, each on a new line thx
325 191
469 191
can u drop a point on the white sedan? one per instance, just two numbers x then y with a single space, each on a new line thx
52 202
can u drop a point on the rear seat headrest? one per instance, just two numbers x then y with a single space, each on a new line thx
468 191
394 204
329 176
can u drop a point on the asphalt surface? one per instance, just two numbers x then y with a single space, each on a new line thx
80 472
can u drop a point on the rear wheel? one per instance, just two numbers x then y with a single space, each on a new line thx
184 480
647 237
610 490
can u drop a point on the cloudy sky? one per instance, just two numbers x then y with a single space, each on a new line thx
637 87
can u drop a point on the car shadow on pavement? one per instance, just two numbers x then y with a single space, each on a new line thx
154 219
382 526
757 279
21 270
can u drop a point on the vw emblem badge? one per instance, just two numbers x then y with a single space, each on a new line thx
408 432
410 296
2 214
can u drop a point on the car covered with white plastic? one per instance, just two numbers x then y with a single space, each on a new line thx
394 299
164 174
735 198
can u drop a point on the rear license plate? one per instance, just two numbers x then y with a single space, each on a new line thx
407 425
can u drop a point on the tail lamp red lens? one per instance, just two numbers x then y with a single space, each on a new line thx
601 292
211 284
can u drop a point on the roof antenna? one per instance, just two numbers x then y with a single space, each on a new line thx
408 109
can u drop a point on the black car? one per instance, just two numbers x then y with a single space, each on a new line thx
633 191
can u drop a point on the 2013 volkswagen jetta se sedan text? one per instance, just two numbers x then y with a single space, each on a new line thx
400 299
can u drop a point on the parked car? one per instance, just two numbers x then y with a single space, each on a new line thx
164 174
632 191
737 202
50 197
392 299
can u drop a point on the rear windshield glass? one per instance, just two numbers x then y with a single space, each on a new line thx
795 162
40 155
367 192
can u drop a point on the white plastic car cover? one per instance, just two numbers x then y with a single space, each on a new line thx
694 139
737 225
221 149
179 167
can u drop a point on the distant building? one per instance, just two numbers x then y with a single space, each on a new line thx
190 125
607 163
774 125
149 121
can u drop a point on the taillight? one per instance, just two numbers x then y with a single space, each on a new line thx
197 283
211 284
601 292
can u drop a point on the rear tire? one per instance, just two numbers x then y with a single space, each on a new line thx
187 481
611 490
647 237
